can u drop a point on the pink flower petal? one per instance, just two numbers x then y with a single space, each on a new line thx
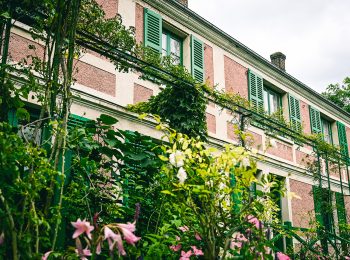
82 227
46 255
175 248
130 226
197 251
184 228
120 246
281 256
129 237
98 248
197 236
186 254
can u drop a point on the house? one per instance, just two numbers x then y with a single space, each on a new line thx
170 27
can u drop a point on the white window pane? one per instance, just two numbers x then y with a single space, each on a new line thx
266 102
175 47
164 42
273 103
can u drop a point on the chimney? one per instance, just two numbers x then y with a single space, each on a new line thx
279 60
184 2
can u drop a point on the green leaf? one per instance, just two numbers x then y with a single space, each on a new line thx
167 192
108 120
163 158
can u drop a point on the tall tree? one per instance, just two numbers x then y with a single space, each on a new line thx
339 94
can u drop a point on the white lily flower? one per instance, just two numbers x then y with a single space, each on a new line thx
181 175
177 159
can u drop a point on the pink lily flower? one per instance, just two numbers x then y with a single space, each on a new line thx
197 236
184 228
186 255
197 251
177 238
113 239
46 255
120 244
281 256
82 253
175 248
235 245
127 230
240 237
98 248
253 220
130 226
82 227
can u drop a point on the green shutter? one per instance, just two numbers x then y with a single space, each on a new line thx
317 191
294 113
12 117
315 121
153 30
256 88
76 121
343 143
339 198
197 59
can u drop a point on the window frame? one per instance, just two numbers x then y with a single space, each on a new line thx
329 123
269 92
170 35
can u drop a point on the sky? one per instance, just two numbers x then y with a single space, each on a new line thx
313 34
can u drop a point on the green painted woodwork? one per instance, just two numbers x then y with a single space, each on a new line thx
269 106
343 143
289 240
339 198
294 113
316 191
256 88
315 121
12 118
152 30
170 36
197 59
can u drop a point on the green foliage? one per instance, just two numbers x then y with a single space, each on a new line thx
24 181
339 94
180 103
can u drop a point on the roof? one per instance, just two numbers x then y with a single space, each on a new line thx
238 44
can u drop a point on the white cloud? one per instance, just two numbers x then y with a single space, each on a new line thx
314 34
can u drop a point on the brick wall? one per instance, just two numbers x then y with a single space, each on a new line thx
209 65
230 131
110 7
141 93
19 48
236 80
95 78
211 123
304 159
282 150
139 23
347 129
305 117
302 209
254 140
347 208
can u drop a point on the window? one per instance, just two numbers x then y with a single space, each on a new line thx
272 101
172 46
162 40
327 131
